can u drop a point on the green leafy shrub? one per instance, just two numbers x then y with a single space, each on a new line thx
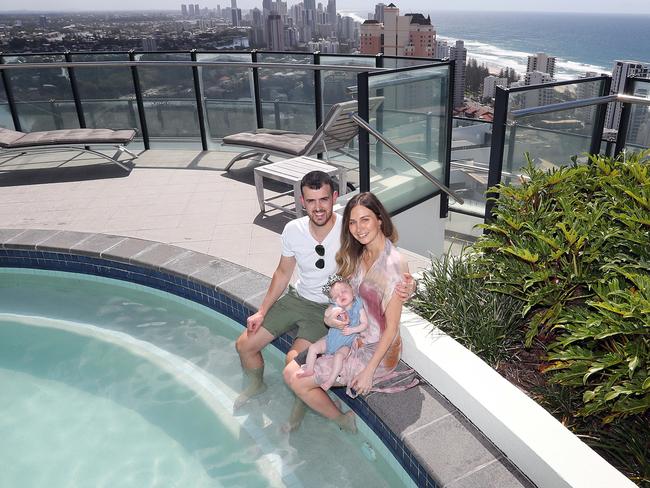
574 246
453 298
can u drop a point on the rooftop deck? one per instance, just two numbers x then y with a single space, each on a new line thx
180 197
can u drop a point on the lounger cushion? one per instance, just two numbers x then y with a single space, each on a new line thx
293 144
73 136
8 137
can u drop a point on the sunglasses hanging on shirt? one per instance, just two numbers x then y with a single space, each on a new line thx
320 250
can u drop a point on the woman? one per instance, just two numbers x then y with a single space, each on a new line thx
369 259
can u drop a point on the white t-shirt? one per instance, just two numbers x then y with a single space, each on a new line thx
298 242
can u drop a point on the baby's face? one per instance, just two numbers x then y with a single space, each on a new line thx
342 294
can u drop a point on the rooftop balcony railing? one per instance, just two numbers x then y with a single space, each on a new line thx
193 99
552 123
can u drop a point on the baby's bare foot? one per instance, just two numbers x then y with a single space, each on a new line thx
305 372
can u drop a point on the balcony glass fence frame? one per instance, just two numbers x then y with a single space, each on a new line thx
632 84
501 121
363 84
134 65
190 61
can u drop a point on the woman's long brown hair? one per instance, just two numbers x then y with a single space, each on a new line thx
350 252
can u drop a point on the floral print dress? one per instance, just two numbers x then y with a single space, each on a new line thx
375 287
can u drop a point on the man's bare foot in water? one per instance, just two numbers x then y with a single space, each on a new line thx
251 391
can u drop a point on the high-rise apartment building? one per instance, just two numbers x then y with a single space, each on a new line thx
584 91
442 50
236 16
149 44
622 70
490 84
191 10
458 53
533 98
184 10
371 37
379 12
331 14
398 35
541 62
274 32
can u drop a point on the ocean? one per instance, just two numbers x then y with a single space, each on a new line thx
581 42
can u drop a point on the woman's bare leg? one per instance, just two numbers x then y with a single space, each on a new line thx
314 396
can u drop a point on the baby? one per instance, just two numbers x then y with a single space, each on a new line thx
337 341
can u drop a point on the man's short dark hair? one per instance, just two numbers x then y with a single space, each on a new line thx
315 180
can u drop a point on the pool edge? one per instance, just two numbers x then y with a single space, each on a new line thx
236 291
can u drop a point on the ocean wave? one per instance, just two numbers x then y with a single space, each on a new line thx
498 57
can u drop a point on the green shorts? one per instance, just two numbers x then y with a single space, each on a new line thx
292 310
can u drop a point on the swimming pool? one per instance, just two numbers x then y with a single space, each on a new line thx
107 382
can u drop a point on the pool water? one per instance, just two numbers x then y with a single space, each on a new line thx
107 383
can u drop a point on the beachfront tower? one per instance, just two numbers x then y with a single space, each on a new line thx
541 62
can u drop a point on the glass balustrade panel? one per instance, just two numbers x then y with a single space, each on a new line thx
228 96
107 94
43 96
287 95
552 139
470 160
169 102
638 131
6 121
341 86
414 116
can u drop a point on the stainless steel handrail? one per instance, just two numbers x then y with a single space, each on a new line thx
585 102
363 124
100 64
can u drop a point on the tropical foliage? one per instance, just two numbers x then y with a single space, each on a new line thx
574 245
568 255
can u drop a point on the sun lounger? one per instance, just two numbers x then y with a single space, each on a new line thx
336 132
14 143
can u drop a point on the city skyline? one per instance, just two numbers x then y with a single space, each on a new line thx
579 6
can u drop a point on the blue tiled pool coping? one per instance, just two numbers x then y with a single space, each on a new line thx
236 292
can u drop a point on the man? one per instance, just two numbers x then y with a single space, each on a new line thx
311 243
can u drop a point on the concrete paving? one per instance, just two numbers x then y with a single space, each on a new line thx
180 197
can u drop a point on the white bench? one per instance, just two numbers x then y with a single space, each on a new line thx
291 171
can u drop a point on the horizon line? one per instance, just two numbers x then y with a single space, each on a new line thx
73 10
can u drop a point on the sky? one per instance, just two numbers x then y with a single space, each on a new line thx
585 6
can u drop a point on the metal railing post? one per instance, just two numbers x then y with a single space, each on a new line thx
257 99
198 92
318 91
11 101
364 139
75 92
56 115
444 139
276 114
599 119
379 120
624 123
497 147
139 101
